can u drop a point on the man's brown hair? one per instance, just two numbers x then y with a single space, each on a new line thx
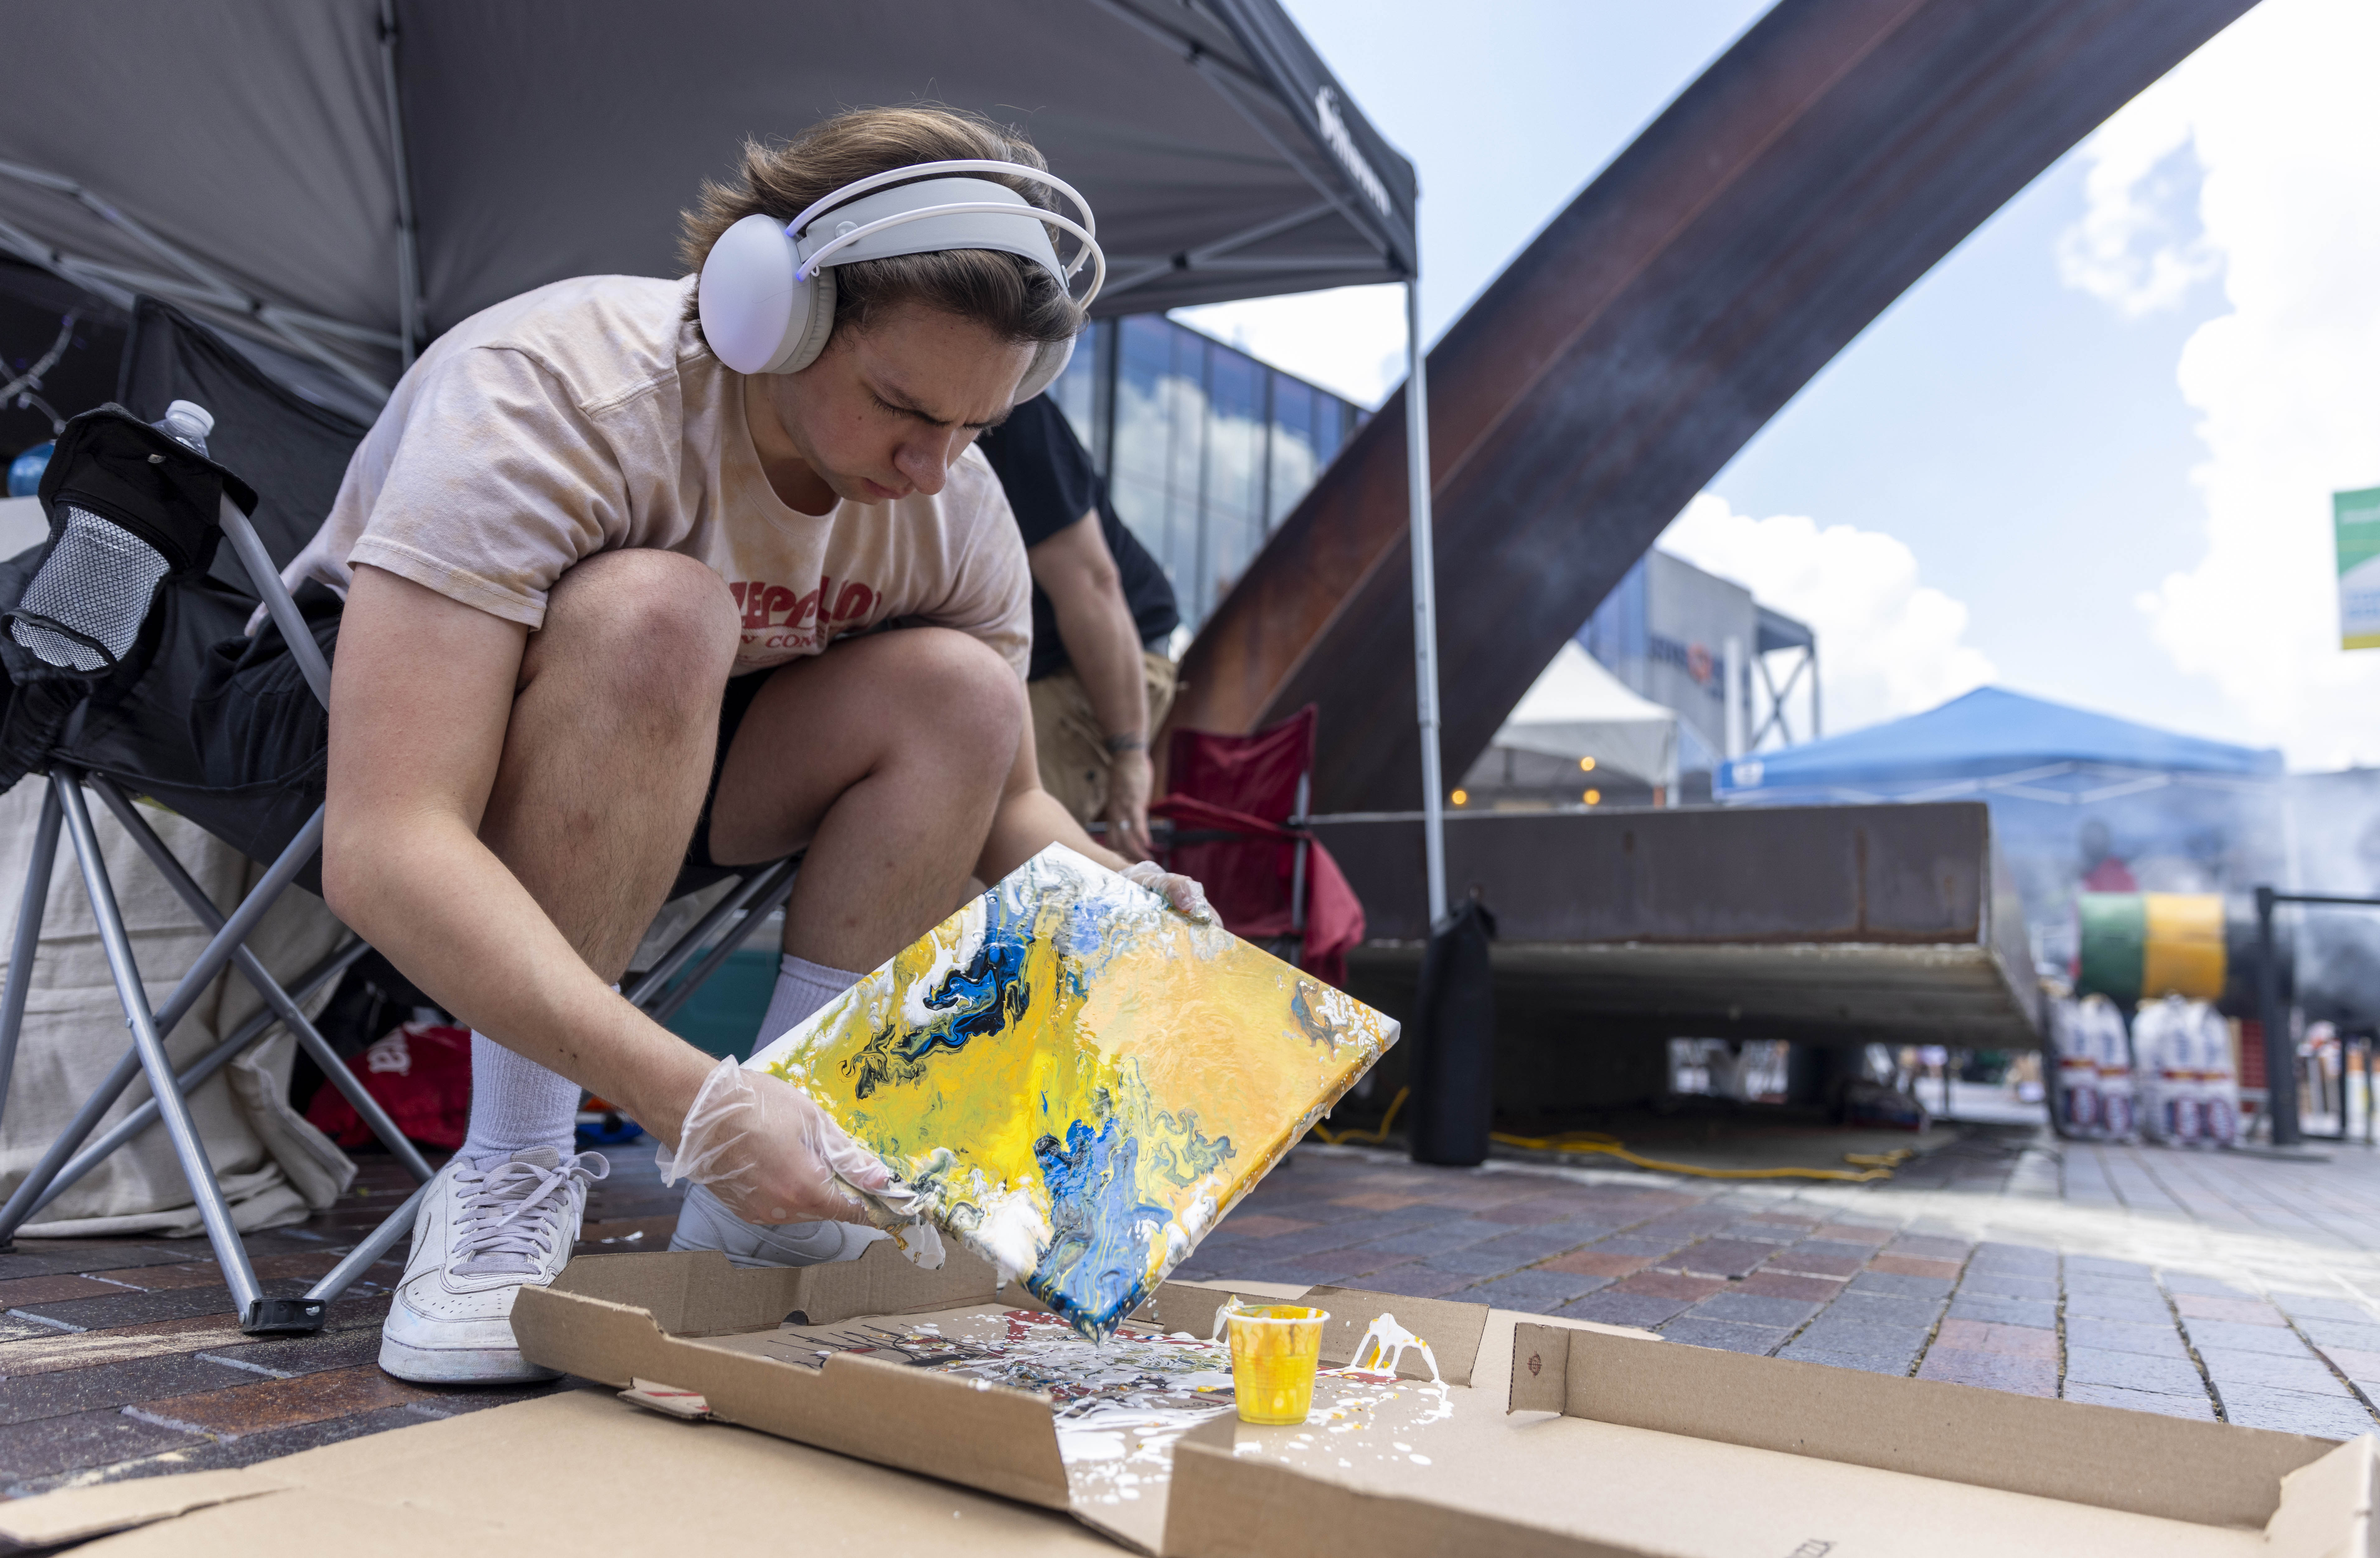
1013 296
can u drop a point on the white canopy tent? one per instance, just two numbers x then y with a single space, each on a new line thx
1577 709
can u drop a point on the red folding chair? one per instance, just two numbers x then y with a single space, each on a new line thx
1237 805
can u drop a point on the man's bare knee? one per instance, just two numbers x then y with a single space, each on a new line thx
961 695
650 626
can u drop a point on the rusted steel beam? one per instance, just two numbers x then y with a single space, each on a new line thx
1810 177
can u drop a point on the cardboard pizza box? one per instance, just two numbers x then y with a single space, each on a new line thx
1527 1437
1545 1436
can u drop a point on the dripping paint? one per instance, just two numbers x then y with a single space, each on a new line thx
1384 1347
1078 1081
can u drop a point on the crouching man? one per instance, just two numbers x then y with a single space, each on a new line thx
618 621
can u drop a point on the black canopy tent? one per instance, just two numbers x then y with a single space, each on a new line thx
352 172
335 183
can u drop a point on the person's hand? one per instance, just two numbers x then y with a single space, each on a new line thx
1127 812
771 1155
313 561
1181 891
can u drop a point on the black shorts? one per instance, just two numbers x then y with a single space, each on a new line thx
223 728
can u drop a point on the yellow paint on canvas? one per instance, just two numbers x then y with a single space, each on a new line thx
1078 1081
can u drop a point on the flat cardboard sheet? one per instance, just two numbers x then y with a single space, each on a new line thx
1078 1080
562 1477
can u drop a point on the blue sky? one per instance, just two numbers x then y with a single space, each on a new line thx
2088 456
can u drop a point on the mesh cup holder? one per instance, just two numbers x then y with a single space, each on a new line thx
86 604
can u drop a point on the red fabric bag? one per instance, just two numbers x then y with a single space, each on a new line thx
421 1074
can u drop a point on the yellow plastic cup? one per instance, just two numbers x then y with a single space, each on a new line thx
1275 1348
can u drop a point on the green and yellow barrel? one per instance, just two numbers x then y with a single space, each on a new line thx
2141 946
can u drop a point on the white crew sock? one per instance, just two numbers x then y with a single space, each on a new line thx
802 987
517 1104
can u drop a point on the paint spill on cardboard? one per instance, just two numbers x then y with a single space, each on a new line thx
1078 1081
1120 1406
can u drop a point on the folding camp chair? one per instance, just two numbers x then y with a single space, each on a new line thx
130 510
129 519
1236 819
1235 803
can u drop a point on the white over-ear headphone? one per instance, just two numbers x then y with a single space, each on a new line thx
767 293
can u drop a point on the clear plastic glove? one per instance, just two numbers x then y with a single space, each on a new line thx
1176 889
772 1155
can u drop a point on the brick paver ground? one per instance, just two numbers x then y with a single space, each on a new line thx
120 1356
2200 1285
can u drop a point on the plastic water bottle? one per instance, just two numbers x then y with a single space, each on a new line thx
25 470
2073 1035
187 423
2215 1090
2153 1043
2117 1083
2177 1066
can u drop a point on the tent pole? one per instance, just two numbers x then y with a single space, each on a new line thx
1425 559
408 253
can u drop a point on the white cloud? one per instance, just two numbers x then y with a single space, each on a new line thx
1350 340
2277 114
2127 250
1888 645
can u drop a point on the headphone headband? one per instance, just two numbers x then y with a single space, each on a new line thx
1085 233
766 297
1090 249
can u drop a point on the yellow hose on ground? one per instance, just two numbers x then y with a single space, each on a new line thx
1866 1166
1370 1137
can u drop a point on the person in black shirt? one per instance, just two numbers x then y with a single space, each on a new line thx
1099 681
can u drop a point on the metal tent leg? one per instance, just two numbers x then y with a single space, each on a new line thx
30 909
256 1313
1425 598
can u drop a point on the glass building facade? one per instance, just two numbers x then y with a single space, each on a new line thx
1205 448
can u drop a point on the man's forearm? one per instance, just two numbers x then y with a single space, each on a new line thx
1103 643
441 907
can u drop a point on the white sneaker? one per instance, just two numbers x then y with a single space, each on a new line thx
480 1239
704 1223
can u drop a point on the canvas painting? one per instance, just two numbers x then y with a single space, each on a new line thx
1078 1080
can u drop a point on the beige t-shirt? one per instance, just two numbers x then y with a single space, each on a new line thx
586 417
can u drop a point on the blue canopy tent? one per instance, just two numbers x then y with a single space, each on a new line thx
1991 741
2079 800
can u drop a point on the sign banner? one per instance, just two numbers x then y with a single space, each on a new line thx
2356 519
